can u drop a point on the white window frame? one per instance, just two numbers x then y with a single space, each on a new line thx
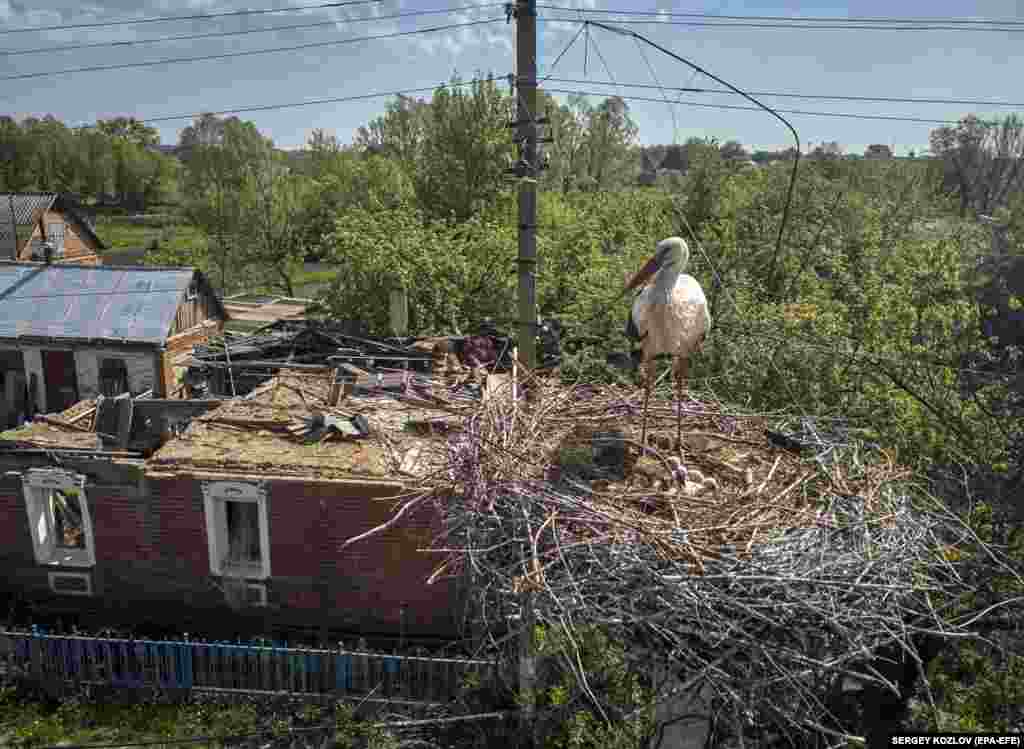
261 589
58 248
80 575
215 496
37 483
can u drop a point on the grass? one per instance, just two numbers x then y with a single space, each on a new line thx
27 722
120 235
128 241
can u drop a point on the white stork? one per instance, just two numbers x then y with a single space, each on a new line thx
669 317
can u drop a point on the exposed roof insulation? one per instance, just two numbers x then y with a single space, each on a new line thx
252 435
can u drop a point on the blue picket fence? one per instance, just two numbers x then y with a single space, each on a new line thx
235 667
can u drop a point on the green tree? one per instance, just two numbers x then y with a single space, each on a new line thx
982 159
274 206
400 133
129 129
609 136
466 142
454 273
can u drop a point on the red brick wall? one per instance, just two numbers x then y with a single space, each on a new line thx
376 575
118 525
13 523
179 523
153 548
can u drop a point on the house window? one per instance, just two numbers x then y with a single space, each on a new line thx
237 533
55 235
113 377
58 516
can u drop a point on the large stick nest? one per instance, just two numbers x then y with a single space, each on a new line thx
772 568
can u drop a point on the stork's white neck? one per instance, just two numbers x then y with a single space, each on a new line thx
669 273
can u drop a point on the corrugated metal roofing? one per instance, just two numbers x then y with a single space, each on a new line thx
22 207
76 301
26 205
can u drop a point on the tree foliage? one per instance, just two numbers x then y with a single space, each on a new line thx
109 159
983 160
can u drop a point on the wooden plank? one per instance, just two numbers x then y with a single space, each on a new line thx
352 369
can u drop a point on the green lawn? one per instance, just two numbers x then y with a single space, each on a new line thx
121 235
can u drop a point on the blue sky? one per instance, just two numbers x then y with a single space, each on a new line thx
938 64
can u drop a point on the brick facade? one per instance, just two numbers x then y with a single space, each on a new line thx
152 558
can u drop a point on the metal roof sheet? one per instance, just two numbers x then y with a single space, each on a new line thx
76 301
22 208
25 205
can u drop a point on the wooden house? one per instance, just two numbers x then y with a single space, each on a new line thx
70 332
30 220
238 520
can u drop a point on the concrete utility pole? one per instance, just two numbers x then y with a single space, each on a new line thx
527 170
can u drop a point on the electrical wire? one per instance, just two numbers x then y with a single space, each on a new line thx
551 70
215 34
664 94
683 102
793 26
794 19
226 55
310 103
765 107
195 17
835 97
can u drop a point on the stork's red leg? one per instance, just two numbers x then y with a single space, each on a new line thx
648 378
681 371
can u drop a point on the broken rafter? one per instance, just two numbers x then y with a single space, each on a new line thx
260 364
61 423
769 561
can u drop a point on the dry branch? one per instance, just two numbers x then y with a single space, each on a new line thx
800 565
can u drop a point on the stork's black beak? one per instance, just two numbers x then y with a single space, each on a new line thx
650 268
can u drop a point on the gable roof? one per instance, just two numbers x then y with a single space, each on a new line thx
94 302
27 207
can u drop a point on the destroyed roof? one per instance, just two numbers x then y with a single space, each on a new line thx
124 304
70 429
261 434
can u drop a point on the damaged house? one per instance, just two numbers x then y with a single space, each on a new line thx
29 220
237 505
194 510
70 332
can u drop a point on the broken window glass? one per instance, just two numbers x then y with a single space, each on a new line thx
113 377
66 512
243 526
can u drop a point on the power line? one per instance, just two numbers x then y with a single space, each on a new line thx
847 115
225 55
836 97
788 27
198 16
791 26
313 102
795 19
214 34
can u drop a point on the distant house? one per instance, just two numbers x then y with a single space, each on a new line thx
673 162
70 331
29 220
